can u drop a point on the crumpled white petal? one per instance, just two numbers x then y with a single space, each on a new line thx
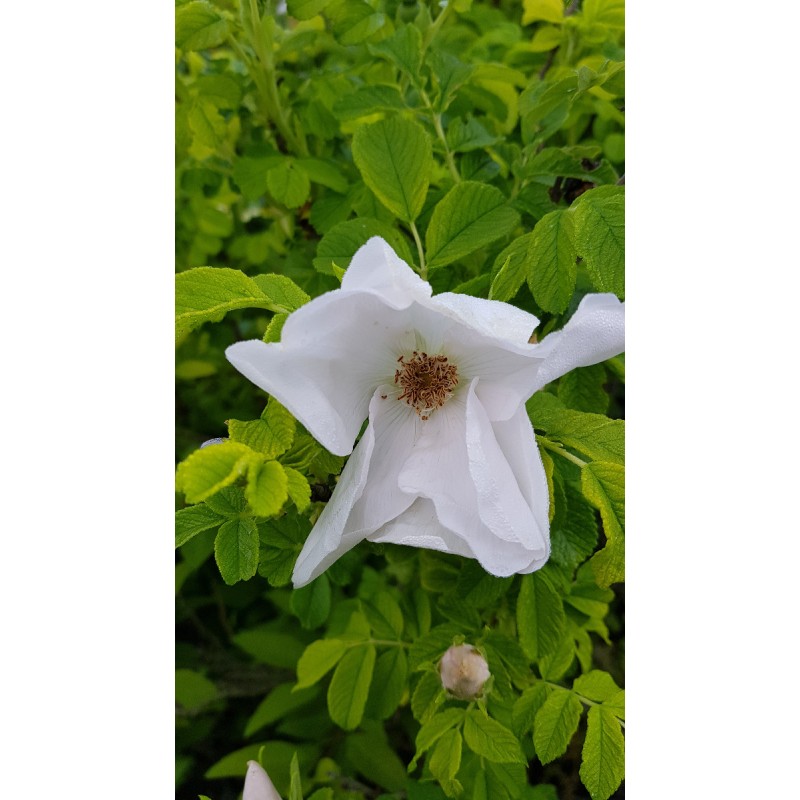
595 332
257 785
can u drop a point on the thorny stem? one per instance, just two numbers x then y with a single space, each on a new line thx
423 269
555 448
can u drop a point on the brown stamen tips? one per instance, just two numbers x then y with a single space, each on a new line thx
427 382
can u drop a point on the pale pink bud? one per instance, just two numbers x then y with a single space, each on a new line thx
464 671
257 785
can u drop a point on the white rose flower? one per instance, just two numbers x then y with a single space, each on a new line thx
448 460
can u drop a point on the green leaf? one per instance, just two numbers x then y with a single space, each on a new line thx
600 237
540 615
267 488
603 756
513 269
295 790
603 485
339 244
299 488
552 265
470 135
273 331
450 74
270 646
555 724
312 603
193 690
207 125
277 704
373 757
228 502
445 759
366 100
527 706
250 174
318 659
488 738
306 9
542 10
288 183
224 91
271 435
325 173
582 389
395 159
206 294
389 683
616 704
354 20
434 729
432 645
427 696
236 550
282 291
553 666
193 520
210 468
282 540
404 49
594 435
349 688
198 26
575 537
596 685
470 216
384 615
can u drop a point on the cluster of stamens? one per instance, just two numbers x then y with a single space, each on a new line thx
427 382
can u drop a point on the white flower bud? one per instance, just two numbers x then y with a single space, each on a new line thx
464 671
257 785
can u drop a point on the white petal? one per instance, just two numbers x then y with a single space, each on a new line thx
334 352
367 494
490 317
257 785
595 333
457 464
327 540
516 439
501 504
377 268
419 526
395 427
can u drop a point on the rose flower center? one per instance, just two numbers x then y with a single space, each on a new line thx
427 381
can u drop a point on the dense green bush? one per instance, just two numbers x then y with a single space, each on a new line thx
485 143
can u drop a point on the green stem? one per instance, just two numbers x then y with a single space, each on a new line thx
585 700
423 269
434 28
267 85
557 448
437 124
